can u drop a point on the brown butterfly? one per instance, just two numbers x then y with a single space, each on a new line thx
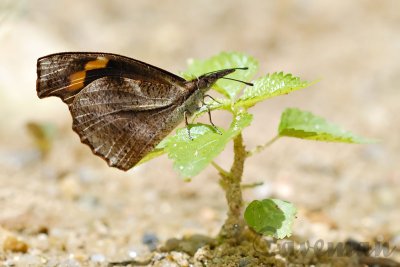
121 107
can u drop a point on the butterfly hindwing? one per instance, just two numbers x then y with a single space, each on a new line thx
121 120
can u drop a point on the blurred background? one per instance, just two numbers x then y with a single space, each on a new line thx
61 200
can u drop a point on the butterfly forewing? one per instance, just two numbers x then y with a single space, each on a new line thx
66 74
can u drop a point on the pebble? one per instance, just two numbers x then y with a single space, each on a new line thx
208 214
70 187
132 253
14 244
189 244
30 260
150 240
69 263
181 259
98 258
42 242
8 262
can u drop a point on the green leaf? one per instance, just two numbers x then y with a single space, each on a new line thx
221 61
272 217
269 86
213 105
192 156
305 125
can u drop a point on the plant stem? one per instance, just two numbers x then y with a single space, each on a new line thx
230 182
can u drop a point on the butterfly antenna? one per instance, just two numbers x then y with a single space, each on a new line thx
211 72
242 68
246 83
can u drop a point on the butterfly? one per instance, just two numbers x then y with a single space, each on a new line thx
121 107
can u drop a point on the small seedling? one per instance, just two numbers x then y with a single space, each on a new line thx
271 217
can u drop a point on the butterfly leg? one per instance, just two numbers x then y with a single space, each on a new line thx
211 98
209 114
185 114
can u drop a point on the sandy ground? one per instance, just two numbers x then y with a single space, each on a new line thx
70 208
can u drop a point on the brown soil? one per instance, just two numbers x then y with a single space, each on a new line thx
67 208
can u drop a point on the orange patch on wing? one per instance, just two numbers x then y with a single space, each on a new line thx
76 80
98 63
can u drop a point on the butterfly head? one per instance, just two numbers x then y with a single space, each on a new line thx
205 81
